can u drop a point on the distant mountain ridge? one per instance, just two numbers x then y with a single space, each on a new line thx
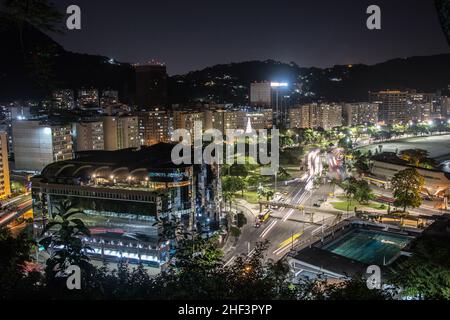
48 66
32 70
338 83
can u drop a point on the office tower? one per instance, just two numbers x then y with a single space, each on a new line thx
121 132
63 99
5 185
88 98
151 85
261 94
393 106
123 194
154 126
37 144
360 113
88 135
274 95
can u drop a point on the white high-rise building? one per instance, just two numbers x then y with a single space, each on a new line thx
37 144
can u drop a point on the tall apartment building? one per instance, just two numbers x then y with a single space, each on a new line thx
326 116
360 113
63 99
223 119
121 132
393 106
187 120
88 98
37 144
5 185
258 120
151 85
299 117
154 126
237 119
88 136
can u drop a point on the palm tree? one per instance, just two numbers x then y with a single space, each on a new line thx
63 238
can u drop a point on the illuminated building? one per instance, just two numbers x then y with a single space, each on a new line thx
361 113
187 119
5 186
299 117
326 116
88 98
123 194
63 99
39 143
154 126
121 132
393 106
88 136
272 95
109 97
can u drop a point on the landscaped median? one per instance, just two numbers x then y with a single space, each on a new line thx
346 205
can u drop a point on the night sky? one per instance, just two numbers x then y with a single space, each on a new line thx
190 35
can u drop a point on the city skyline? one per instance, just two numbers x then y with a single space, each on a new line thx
267 180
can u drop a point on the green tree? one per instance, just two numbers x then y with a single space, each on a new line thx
62 237
241 220
407 185
350 188
415 157
15 255
353 289
426 274
235 232
363 192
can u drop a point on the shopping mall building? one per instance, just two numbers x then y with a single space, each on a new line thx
124 194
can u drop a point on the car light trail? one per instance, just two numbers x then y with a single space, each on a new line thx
267 230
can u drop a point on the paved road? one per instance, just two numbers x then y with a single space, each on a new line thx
22 206
286 226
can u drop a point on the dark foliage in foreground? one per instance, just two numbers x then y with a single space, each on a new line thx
196 274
